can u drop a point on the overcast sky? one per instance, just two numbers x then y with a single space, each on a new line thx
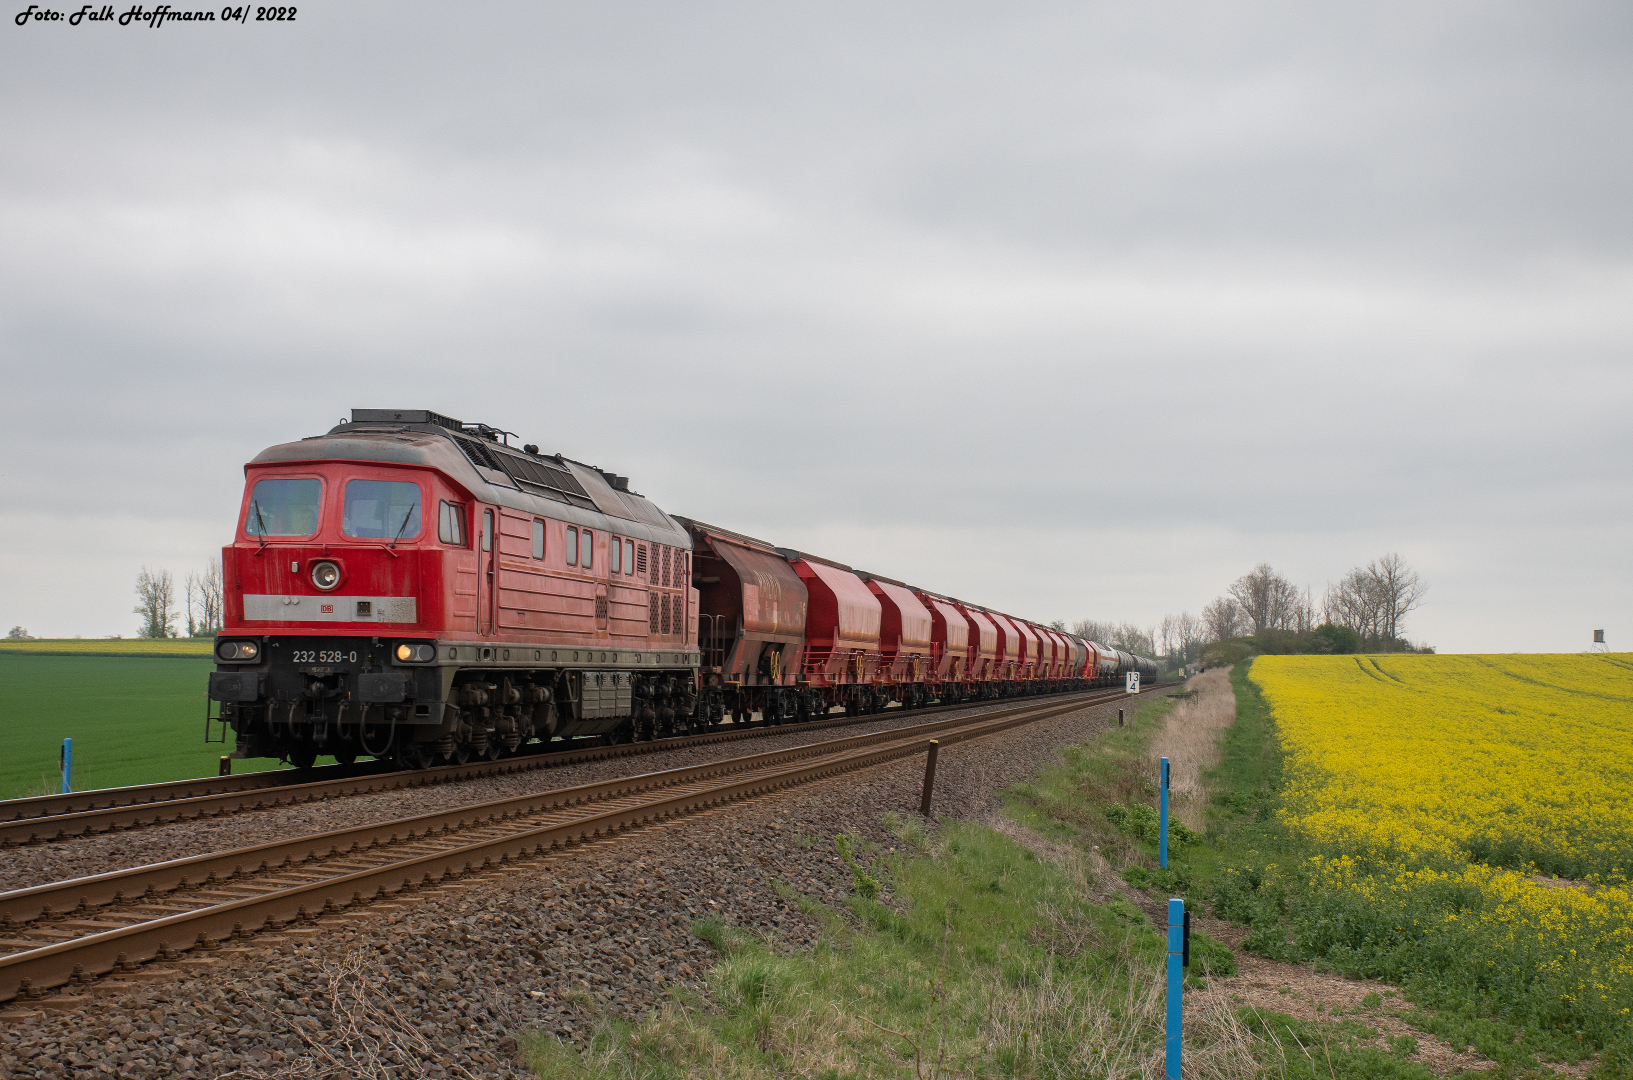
1075 310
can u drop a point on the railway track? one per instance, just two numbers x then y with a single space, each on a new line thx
68 933
59 817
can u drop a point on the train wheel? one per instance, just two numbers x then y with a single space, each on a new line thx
347 757
303 757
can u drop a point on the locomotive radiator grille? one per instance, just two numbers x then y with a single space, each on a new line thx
653 601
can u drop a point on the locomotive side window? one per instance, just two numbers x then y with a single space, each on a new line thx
586 548
381 509
629 557
451 524
284 507
572 546
615 550
487 530
538 539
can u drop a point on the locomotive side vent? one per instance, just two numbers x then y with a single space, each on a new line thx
667 582
652 601
640 559
663 610
479 454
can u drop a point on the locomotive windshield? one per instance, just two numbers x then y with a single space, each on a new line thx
284 507
381 509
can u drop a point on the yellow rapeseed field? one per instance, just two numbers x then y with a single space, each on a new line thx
1481 806
1505 760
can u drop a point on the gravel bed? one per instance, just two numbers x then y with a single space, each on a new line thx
445 984
60 860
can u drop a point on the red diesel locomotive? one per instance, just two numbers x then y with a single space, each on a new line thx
410 587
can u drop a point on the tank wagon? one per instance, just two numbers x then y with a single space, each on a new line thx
411 587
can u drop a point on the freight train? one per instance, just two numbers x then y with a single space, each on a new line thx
414 588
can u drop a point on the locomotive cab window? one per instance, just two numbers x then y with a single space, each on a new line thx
572 546
287 507
487 530
381 510
615 551
586 548
538 539
451 524
629 557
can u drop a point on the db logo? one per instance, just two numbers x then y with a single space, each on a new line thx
327 609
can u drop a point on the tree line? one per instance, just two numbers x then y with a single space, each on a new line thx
156 602
1263 612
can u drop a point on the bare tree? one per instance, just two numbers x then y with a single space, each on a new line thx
1132 639
1095 630
1124 636
19 632
1167 635
1304 612
204 600
1373 600
1400 590
1223 619
1191 634
1353 603
156 603
1267 599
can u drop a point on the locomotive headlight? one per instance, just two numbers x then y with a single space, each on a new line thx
238 651
325 575
416 653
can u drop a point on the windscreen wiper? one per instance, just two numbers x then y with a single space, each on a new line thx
261 533
404 525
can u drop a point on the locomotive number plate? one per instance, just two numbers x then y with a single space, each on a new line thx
322 656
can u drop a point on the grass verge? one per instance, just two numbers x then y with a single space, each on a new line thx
981 959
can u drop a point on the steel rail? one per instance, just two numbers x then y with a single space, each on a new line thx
48 806
22 906
30 972
164 805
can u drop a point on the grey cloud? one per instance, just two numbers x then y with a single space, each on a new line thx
1166 292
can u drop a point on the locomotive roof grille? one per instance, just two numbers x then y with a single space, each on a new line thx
482 445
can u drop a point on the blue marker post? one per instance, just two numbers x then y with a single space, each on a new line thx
1162 820
1176 984
67 765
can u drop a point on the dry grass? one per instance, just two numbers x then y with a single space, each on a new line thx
364 1035
1190 740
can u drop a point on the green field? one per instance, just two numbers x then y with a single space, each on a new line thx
133 719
